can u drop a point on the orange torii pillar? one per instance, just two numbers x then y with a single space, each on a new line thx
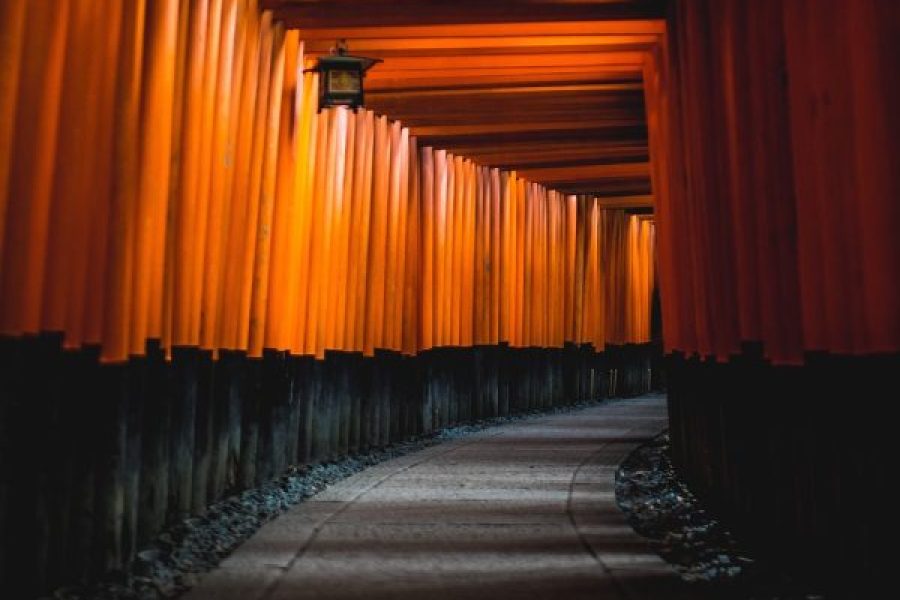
776 180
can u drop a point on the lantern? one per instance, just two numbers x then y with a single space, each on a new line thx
341 77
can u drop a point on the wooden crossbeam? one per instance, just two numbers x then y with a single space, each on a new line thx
550 88
634 16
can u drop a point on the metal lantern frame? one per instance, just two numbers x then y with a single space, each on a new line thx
341 78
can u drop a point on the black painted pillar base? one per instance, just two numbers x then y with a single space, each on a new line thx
798 461
96 459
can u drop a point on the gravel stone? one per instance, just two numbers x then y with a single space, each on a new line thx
661 507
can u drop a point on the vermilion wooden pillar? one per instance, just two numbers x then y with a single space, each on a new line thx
773 126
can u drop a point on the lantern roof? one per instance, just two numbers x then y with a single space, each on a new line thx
339 58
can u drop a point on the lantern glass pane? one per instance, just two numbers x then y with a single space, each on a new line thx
342 81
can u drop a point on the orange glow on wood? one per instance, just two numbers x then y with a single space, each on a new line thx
124 216
97 275
378 238
442 267
263 238
12 35
250 307
345 231
219 209
363 168
303 190
67 253
412 269
391 271
490 31
31 166
455 197
428 242
245 80
283 268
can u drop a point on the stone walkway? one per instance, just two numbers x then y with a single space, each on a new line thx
521 511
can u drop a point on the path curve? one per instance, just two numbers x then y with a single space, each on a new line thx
525 510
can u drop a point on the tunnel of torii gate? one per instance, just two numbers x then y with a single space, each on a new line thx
205 279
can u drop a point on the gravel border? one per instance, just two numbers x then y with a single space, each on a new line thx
170 565
660 507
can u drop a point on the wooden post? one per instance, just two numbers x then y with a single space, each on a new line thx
181 439
154 488
204 418
308 382
294 411
7 471
357 385
134 397
219 405
110 464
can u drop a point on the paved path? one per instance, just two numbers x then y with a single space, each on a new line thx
521 511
